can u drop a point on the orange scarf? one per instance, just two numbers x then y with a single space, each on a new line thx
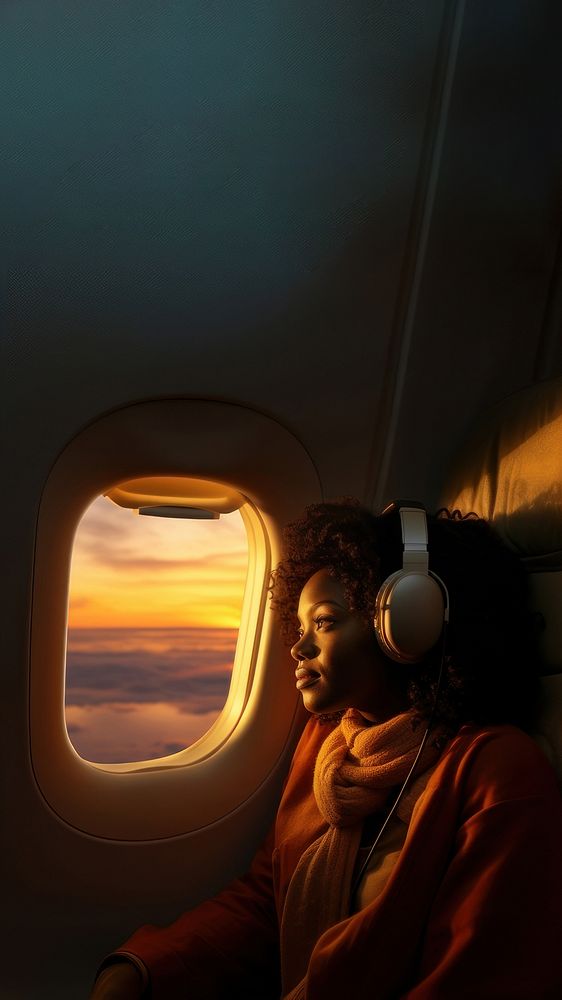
357 767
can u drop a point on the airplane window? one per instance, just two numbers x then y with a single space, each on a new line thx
154 612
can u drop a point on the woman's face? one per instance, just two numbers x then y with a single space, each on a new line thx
340 664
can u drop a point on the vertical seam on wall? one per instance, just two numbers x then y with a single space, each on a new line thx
551 328
414 256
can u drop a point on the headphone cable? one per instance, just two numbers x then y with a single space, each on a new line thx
410 774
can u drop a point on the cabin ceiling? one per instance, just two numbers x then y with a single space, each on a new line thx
343 215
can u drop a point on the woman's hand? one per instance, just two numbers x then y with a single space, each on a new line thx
121 981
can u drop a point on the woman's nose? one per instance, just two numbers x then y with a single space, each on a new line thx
296 653
301 649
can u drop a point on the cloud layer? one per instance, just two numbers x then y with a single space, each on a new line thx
135 694
116 734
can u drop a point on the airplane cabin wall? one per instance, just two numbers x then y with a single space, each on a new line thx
343 217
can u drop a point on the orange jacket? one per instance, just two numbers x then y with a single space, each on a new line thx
473 907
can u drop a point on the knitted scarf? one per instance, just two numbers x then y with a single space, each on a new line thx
357 767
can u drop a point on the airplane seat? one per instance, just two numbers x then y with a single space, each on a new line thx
510 472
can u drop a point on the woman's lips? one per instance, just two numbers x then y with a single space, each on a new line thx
305 678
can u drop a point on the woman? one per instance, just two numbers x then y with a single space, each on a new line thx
378 880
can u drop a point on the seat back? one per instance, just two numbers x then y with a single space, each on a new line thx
510 472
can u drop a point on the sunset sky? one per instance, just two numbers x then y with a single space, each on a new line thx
131 571
154 611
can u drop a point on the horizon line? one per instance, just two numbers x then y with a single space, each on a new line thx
149 628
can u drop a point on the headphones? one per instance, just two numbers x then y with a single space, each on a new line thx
412 604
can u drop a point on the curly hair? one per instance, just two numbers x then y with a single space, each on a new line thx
491 663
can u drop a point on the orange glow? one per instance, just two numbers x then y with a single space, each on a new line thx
149 572
171 490
507 481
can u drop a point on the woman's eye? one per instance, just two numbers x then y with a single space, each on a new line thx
323 621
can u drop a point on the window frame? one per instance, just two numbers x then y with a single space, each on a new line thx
216 774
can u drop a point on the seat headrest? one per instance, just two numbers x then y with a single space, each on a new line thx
510 472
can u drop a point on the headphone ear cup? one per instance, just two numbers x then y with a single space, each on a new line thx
409 615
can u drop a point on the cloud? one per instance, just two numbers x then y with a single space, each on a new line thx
164 749
94 525
195 680
114 538
74 728
106 733
136 694
76 602
165 643
225 564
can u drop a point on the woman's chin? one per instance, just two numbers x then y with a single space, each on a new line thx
319 703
